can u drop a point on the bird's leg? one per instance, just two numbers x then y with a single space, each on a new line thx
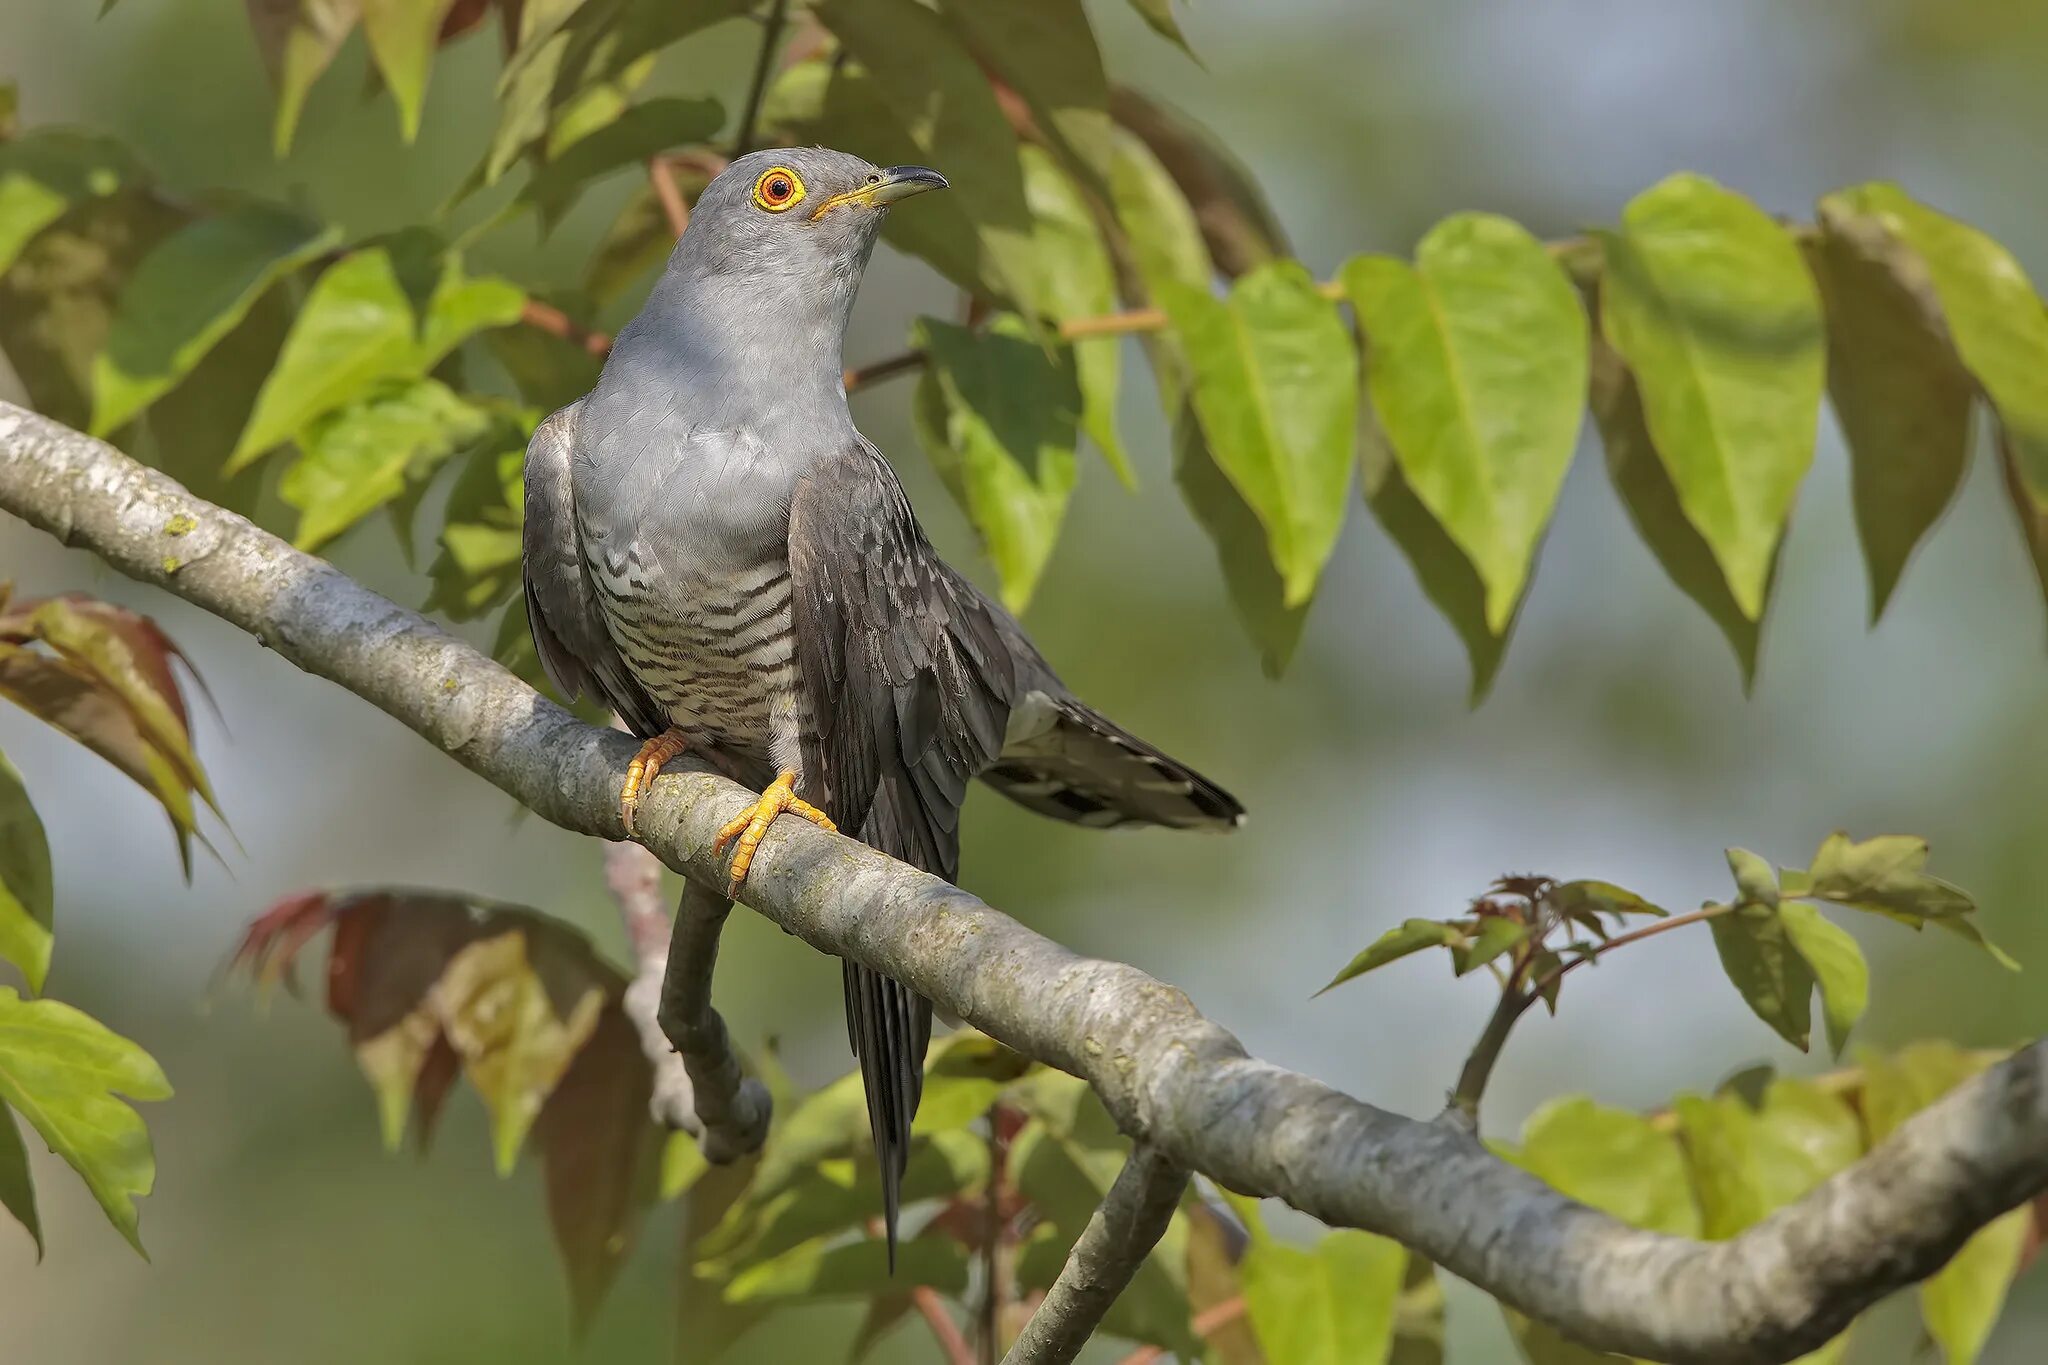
750 824
645 767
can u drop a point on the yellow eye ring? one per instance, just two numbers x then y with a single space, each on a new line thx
778 189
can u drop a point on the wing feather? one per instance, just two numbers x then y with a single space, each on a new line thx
568 627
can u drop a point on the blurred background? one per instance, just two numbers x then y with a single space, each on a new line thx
1617 742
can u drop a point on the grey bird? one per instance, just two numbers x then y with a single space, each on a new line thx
713 550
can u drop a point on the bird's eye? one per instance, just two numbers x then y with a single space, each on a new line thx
778 188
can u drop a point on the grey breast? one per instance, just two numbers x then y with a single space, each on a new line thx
685 537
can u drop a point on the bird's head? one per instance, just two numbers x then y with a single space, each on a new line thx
796 213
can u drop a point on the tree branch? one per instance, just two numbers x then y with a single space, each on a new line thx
732 1108
771 35
633 875
1169 1076
1118 1238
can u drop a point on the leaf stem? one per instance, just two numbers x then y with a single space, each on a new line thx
1515 1000
944 1329
771 35
671 196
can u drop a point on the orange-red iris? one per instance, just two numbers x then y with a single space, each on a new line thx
778 188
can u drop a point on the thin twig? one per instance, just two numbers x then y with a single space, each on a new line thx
1210 1320
1515 1001
1124 1229
663 178
771 35
557 323
951 1341
992 1268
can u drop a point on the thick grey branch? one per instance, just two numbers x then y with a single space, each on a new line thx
732 1109
1119 1236
1171 1077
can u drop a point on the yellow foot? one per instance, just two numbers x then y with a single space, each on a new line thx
750 824
645 767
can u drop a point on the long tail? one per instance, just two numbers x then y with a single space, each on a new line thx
888 1024
1069 762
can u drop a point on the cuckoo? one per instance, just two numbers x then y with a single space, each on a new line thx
714 551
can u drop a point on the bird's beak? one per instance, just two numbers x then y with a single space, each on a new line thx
900 182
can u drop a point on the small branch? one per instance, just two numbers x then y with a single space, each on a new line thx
1662 926
883 369
948 1333
732 1108
1515 1000
993 1271
557 323
663 178
633 875
771 35
1212 1319
1123 1231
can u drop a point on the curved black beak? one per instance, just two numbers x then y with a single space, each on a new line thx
900 182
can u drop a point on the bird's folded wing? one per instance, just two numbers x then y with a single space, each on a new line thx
561 609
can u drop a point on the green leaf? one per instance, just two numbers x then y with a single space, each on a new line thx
1709 303
1162 236
1961 1302
1410 936
1646 491
682 1165
1497 934
479 563
1159 17
402 36
1837 964
1993 316
1275 386
1772 975
1333 1305
817 1271
63 1071
297 39
1885 875
1476 363
998 419
360 458
1240 228
385 312
1756 882
1602 898
17 1189
1902 398
188 294
26 903
1613 1160
1960 1305
1045 51
2032 515
44 174
657 125
1075 280
1257 595
937 92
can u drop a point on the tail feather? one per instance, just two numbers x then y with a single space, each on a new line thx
890 1027
1066 761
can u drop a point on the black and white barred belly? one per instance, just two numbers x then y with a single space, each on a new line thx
718 652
